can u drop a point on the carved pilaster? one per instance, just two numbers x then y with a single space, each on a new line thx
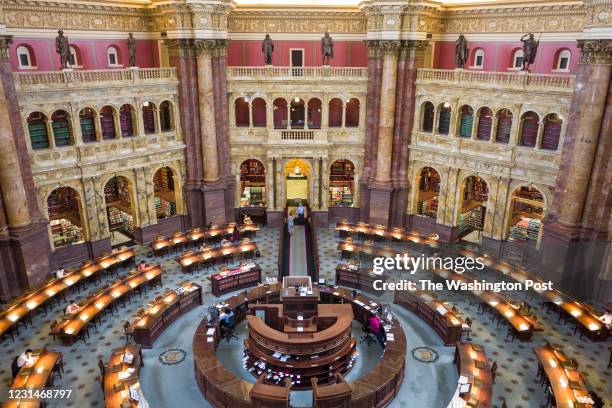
595 51
180 48
5 42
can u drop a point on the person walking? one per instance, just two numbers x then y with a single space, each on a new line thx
301 210
290 223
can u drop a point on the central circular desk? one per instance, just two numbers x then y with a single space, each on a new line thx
222 388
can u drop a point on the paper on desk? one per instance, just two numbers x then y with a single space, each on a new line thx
300 329
463 379
210 331
210 339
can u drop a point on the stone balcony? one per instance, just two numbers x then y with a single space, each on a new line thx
296 74
296 137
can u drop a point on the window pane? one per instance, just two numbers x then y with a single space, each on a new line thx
563 63
479 60
518 62
112 60
23 60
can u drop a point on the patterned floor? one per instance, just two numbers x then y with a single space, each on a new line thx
517 365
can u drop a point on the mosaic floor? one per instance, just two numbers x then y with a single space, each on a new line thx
427 384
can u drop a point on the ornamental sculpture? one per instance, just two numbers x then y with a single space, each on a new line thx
62 47
461 51
530 49
267 47
327 48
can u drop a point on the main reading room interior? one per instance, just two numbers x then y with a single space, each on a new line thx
196 198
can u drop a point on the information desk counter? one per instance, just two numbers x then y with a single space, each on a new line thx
191 259
359 278
70 328
581 313
381 232
439 315
121 378
475 380
349 248
22 307
37 375
566 381
223 389
230 280
163 311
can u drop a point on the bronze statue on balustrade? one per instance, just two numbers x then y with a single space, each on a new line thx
461 51
327 48
132 49
267 47
530 49
62 47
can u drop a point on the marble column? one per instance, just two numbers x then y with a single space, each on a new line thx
206 97
182 57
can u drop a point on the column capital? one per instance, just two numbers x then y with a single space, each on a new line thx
180 47
395 48
595 51
214 48
5 42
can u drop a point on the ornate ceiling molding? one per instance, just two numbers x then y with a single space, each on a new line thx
298 21
595 51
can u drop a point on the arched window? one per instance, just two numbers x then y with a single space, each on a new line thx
466 121
517 59
126 120
252 183
37 127
297 113
25 57
335 112
280 113
551 132
64 208
112 55
529 129
504 126
165 193
62 133
427 117
241 111
444 119
485 122
165 116
341 183
429 192
74 59
314 113
88 125
352 112
563 60
148 117
107 121
258 106
479 58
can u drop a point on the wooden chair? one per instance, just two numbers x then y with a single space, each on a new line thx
102 367
467 328
493 371
128 333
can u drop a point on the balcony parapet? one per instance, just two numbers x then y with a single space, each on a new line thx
293 73
500 80
67 79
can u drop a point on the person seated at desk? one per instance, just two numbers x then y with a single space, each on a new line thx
25 358
60 273
374 326
72 308
235 235
227 317
209 225
524 309
606 318
224 242
142 266
203 246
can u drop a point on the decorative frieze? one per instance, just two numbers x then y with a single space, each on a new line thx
395 48
297 21
595 51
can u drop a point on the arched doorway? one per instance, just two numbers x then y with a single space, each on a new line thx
252 183
297 175
165 193
297 113
525 215
118 193
341 183
428 181
66 223
472 208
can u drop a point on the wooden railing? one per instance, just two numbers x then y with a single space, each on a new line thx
296 72
91 78
518 80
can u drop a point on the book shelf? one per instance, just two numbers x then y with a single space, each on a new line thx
64 232
551 135
125 121
428 208
340 196
527 209
88 127
358 278
341 178
467 119
148 119
526 230
529 132
120 220
38 131
485 123
475 190
231 280
107 121
444 121
504 128
61 129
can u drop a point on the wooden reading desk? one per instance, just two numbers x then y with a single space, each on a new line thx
380 231
191 259
474 368
122 376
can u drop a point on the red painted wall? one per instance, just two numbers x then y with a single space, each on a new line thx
498 55
248 53
91 53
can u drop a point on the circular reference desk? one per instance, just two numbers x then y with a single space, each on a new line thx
223 389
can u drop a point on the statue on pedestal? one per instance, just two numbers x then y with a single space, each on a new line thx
132 49
327 48
62 47
530 49
461 51
267 47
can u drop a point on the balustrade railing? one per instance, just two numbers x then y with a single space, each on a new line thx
297 135
517 80
296 72
89 78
